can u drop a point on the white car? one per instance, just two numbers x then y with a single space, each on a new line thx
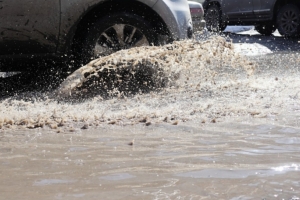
197 13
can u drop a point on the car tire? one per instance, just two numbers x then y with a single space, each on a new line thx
288 20
213 19
265 29
115 32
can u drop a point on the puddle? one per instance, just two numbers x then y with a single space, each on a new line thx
160 164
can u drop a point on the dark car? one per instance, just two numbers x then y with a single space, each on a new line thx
83 29
266 15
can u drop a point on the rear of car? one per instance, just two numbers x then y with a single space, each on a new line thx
197 14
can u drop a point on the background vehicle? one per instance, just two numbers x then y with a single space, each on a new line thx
267 16
199 1
80 30
197 13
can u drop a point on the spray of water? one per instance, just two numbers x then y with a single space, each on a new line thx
186 80
145 69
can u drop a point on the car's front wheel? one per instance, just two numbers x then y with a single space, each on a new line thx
213 19
115 32
288 20
265 29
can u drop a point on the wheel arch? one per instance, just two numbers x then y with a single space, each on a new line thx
218 3
211 2
107 7
280 3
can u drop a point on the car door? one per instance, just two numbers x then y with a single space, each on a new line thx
263 10
29 26
238 10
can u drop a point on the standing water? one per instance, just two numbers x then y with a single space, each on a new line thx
207 123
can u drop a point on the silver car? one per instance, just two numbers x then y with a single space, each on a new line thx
197 13
80 30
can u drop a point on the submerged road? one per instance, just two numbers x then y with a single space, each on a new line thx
228 135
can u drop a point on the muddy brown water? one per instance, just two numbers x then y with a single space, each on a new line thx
214 133
236 160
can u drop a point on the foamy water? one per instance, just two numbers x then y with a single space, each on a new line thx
189 72
206 81
203 80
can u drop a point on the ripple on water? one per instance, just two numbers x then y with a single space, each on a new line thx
239 174
117 177
77 149
292 140
45 182
289 130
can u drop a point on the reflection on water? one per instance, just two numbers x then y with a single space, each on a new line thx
236 174
52 181
285 168
117 177
293 140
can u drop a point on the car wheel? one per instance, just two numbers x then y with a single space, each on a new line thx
288 20
213 19
265 29
115 32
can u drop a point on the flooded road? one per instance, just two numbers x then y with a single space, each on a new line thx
236 160
219 131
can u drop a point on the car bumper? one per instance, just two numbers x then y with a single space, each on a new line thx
177 16
197 14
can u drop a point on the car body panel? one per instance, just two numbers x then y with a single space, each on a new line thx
71 14
197 13
177 17
238 10
244 11
32 27
44 28
264 10
199 1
